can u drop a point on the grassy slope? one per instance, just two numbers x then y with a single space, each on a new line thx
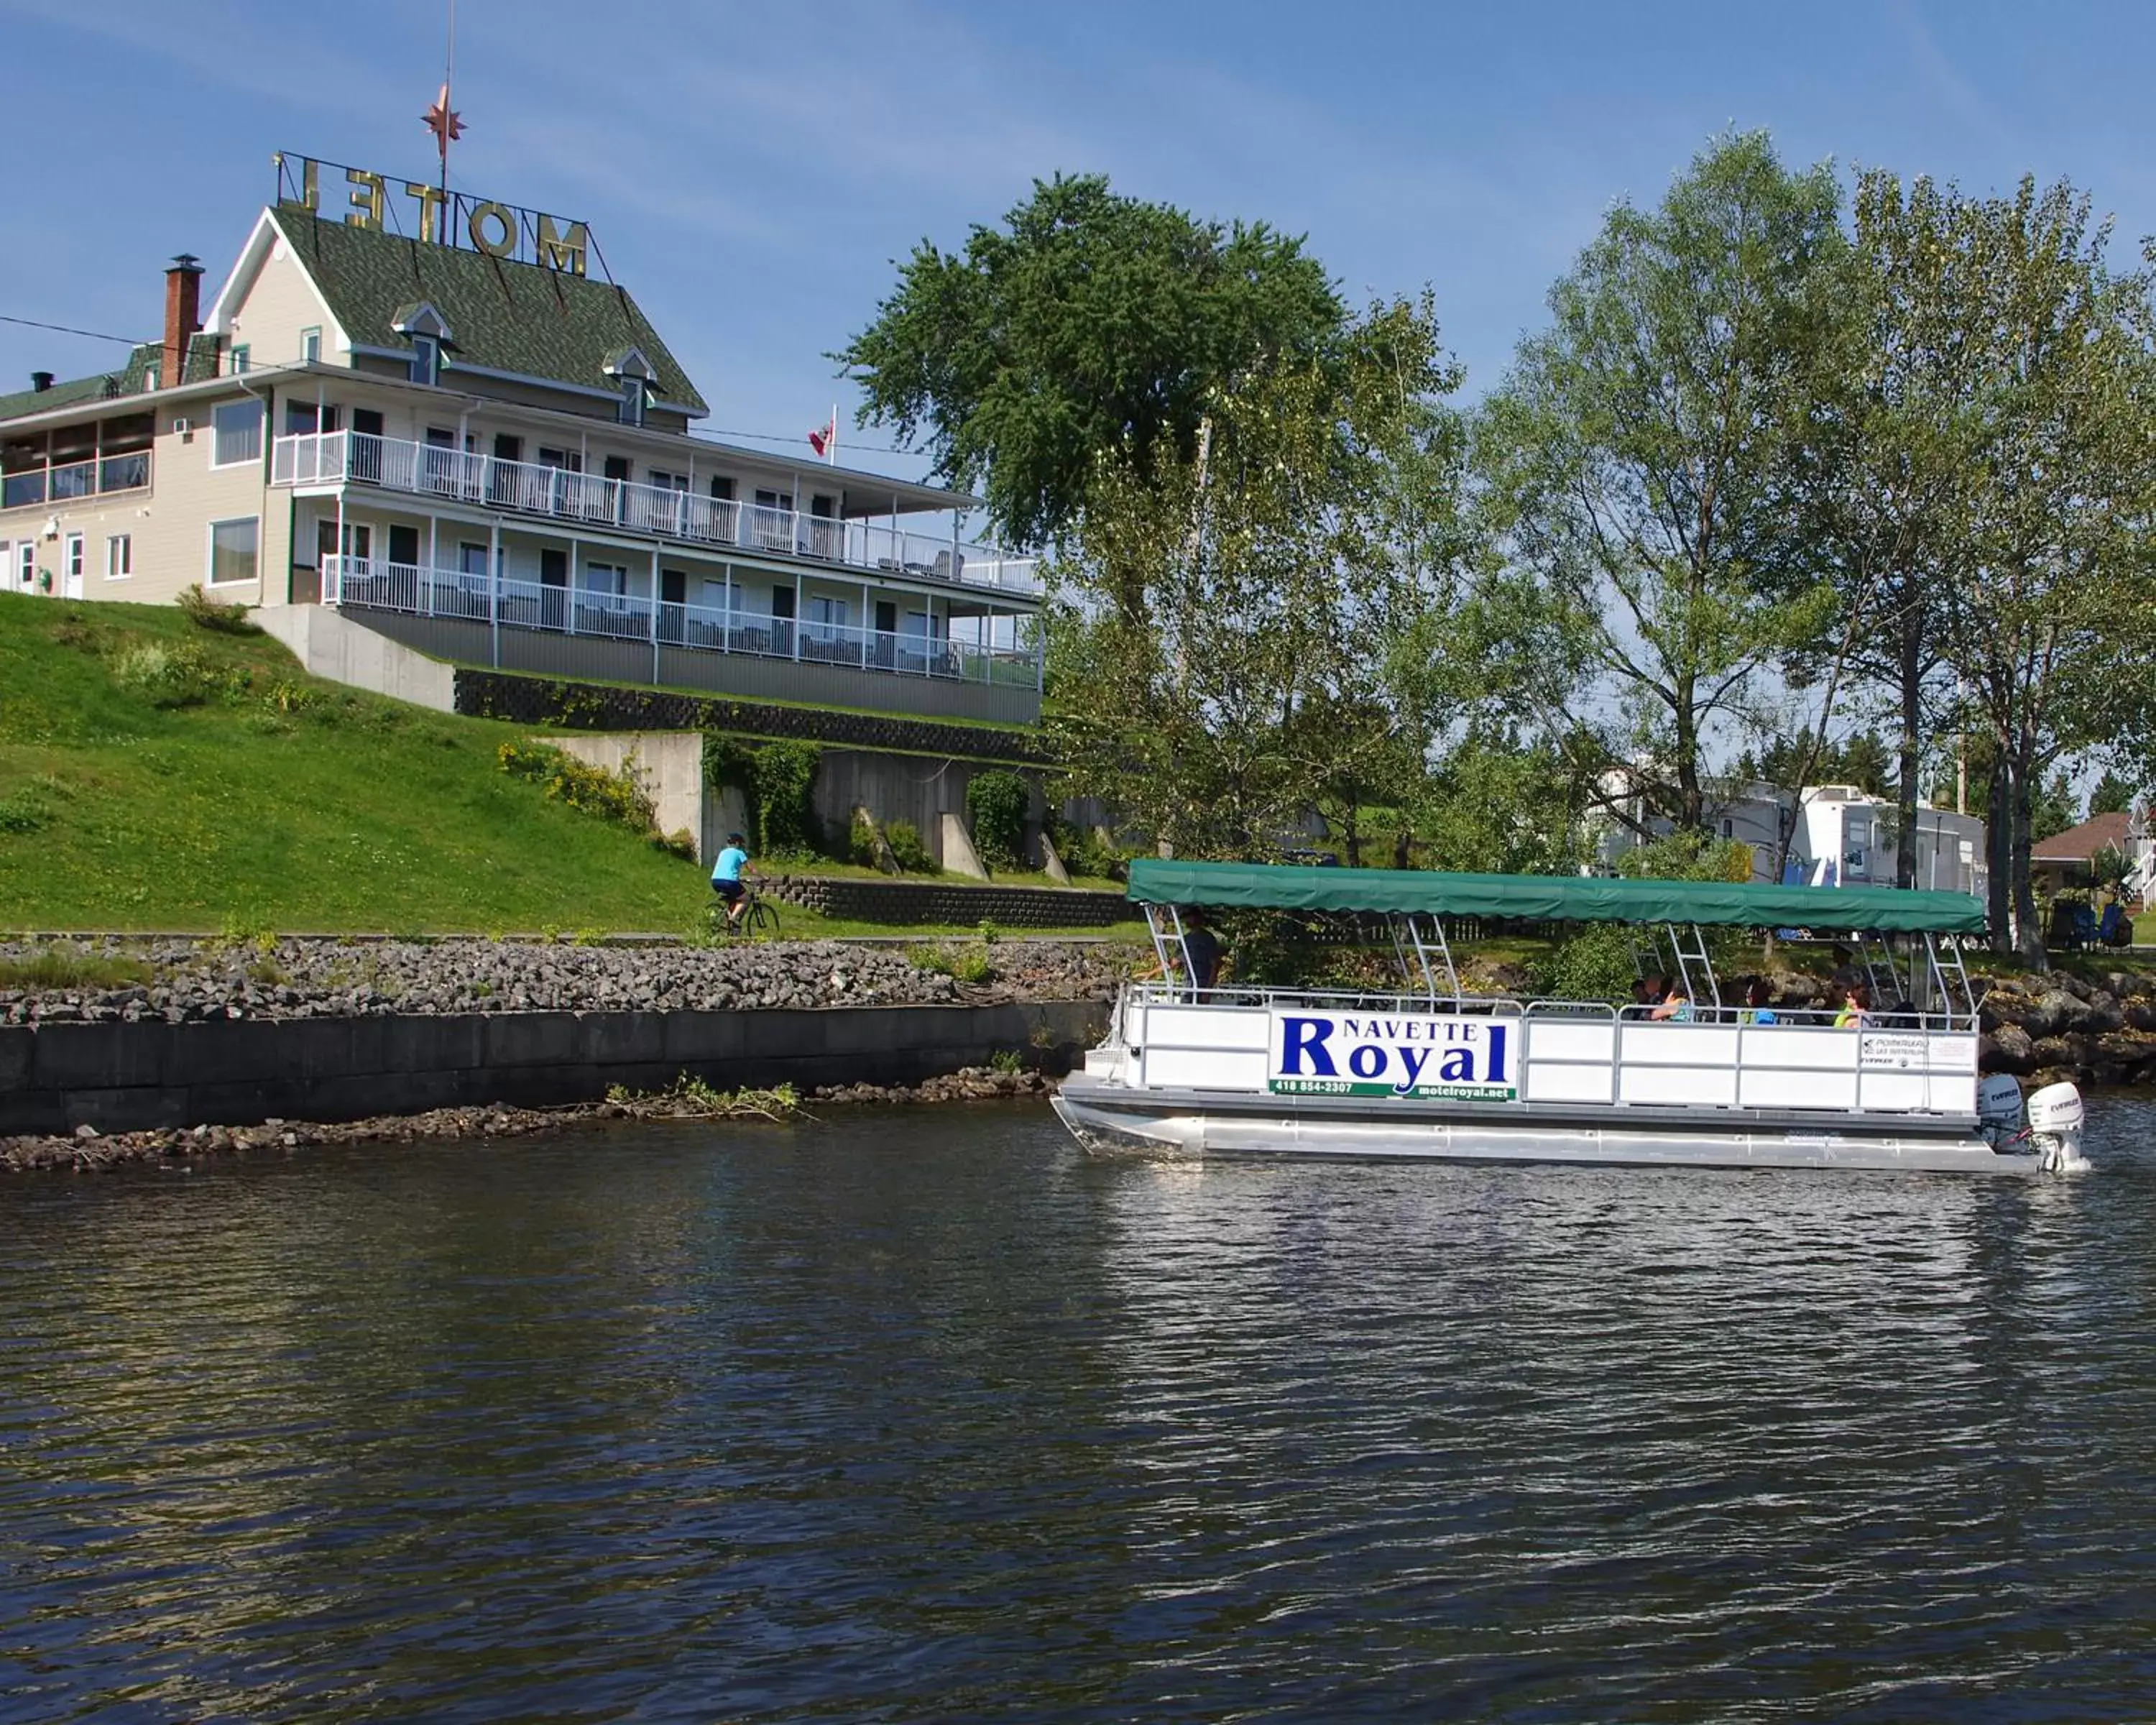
353 813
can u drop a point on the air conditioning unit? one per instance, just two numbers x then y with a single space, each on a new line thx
182 425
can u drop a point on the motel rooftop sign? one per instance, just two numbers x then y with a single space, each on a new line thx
372 201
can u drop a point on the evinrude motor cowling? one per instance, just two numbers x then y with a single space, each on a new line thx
2055 1114
1998 1109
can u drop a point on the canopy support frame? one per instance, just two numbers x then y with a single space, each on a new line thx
1874 951
1406 935
1948 977
1697 956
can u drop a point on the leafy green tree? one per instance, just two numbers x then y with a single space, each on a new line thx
1644 460
2049 597
2112 795
1224 622
1896 456
1493 805
1091 331
1862 759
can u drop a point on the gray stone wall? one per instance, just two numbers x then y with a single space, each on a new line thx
125 1077
597 707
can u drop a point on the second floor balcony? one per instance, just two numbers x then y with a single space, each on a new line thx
674 513
1005 652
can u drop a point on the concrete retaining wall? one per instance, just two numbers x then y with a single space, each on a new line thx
670 765
122 1077
330 645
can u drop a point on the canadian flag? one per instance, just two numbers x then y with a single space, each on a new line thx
824 440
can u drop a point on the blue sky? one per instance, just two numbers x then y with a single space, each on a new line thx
752 171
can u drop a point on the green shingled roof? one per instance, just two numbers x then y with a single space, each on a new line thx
131 378
105 385
502 315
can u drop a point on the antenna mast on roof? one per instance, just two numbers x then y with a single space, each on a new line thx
444 122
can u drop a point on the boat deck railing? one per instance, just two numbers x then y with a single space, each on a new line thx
1575 1053
1509 1005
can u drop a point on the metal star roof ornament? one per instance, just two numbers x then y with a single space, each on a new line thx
446 124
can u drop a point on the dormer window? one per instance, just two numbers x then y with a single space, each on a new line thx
428 333
634 374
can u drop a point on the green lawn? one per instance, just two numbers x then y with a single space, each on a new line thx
280 801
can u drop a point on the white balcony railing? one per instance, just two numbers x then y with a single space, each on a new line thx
376 584
580 499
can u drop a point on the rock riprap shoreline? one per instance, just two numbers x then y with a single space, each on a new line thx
2097 1031
185 981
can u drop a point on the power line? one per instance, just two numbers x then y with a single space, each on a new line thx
760 437
767 437
69 330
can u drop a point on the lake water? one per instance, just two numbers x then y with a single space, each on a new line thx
927 1416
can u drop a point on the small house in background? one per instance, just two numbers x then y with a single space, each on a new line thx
2067 858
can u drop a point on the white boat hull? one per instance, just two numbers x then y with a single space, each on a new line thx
1101 1113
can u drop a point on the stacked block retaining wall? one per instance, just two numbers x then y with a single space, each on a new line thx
905 901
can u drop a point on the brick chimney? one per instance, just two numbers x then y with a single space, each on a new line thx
182 314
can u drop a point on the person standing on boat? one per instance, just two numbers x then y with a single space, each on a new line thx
1201 949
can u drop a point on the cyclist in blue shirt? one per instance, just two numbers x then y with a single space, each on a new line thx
726 878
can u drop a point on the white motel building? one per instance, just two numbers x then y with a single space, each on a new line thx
456 437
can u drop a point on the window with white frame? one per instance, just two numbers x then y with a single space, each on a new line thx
310 343
232 550
242 357
632 401
426 360
827 617
119 556
26 562
74 564
237 433
611 579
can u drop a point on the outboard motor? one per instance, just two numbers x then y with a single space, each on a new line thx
1998 1109
2055 1127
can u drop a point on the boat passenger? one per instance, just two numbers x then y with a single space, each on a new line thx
1201 947
1759 1003
1675 1006
1855 1009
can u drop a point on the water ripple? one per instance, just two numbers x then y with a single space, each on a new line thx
929 1417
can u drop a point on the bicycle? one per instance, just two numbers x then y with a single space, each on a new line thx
759 916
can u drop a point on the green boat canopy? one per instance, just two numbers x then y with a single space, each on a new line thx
1553 898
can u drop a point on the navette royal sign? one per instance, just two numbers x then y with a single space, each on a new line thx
1353 1053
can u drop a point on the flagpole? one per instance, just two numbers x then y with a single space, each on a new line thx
448 78
831 454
